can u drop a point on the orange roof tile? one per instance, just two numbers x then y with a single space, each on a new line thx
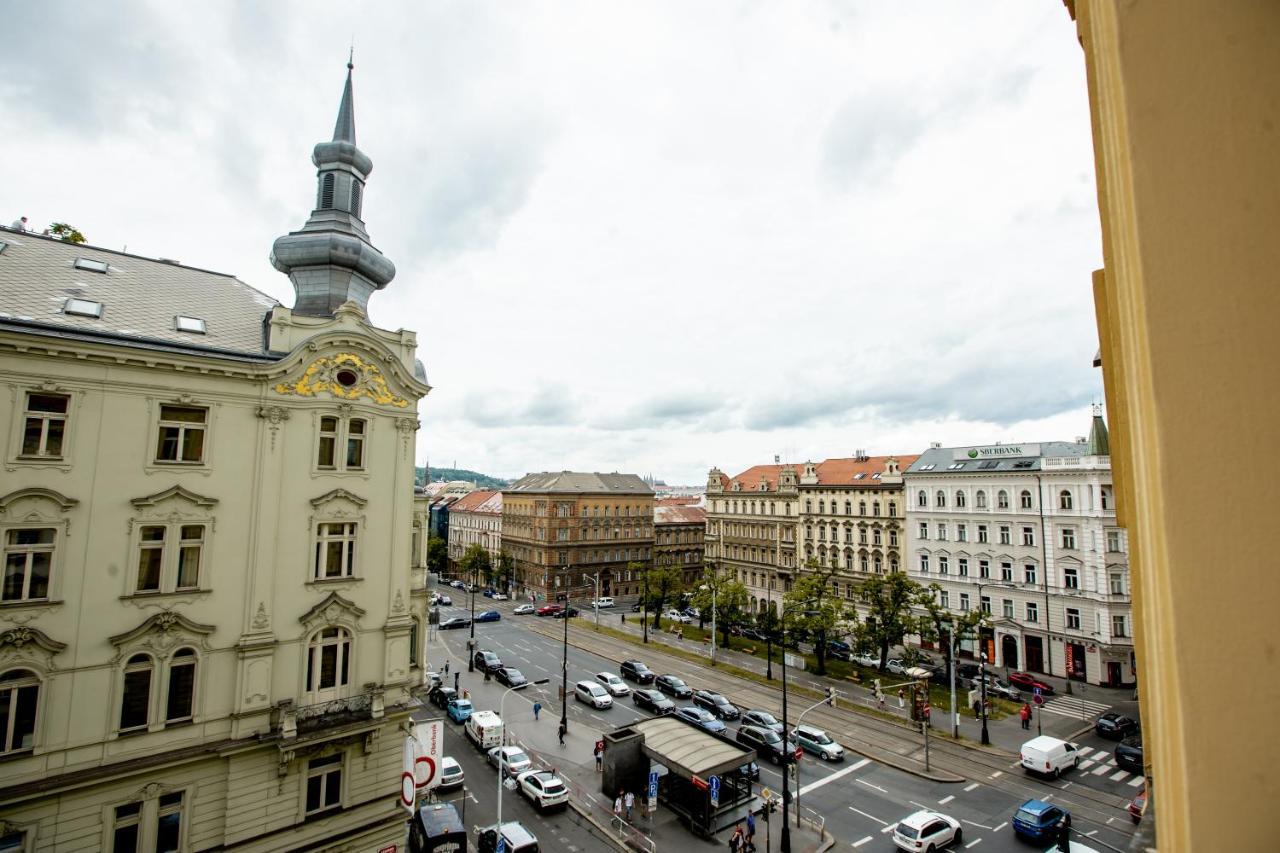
472 500
841 472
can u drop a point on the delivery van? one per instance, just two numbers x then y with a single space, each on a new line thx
436 829
484 728
1049 756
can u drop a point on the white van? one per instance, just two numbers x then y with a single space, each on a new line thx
1049 756
484 728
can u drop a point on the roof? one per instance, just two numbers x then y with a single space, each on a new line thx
689 750
473 501
574 482
668 514
845 471
750 478
955 460
140 297
682 500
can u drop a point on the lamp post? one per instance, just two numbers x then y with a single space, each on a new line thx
502 759
596 606
471 643
564 666
788 758
982 665
713 590
644 606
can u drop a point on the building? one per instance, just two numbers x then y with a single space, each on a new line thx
475 519
679 529
564 530
1028 533
208 636
751 529
1187 304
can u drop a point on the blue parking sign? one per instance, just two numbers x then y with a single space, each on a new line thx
502 844
713 785
653 786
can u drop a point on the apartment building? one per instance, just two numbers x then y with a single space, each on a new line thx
475 519
679 529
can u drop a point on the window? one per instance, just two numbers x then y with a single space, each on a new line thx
150 558
169 823
960 499
962 533
862 507
893 538
1033 612
1117 584
964 602
1113 541
1071 578
1119 626
125 829
924 530
82 308
1002 499
1106 497
1025 499
19 699
562 534
984 568
45 425
1006 572
848 507
944 566
1073 618
181 437
940 498
324 784
944 598
1005 538
986 604
982 534
1007 607
1028 536
182 687
1069 538
28 557
924 564
329 660
195 325
335 550
980 500
922 499
1029 573
963 564
338 432
942 532
135 703
1064 499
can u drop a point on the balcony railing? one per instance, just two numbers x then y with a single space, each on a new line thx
292 720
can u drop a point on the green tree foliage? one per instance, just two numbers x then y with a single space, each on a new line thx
730 599
505 569
476 564
665 584
888 600
66 232
482 481
437 555
937 623
817 610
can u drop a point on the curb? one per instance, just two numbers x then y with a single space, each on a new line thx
598 826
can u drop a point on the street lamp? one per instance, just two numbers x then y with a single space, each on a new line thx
644 605
471 643
982 666
564 665
713 590
502 758
596 606
788 758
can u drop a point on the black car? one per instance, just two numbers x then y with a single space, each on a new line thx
634 670
442 696
753 634
454 622
716 704
1115 726
1129 754
487 661
673 686
839 650
510 676
635 608
762 719
766 742
566 613
653 701
750 771
967 671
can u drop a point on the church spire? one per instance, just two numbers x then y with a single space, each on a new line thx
331 259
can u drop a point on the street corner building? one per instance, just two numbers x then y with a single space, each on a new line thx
210 627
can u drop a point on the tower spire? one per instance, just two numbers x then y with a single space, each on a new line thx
344 129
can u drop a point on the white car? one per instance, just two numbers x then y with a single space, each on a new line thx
866 660
510 758
451 775
431 679
602 603
593 694
613 683
499 596
523 610
926 830
543 788
676 616
895 666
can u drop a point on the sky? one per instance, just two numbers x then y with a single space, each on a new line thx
648 237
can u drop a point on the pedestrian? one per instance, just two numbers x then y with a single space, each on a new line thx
446 669
19 224
455 681
751 831
736 840
599 753
902 697
562 730
537 706
880 700
488 674
1025 714
629 801
977 709
1064 834
617 805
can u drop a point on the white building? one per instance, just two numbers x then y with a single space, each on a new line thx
476 519
1028 533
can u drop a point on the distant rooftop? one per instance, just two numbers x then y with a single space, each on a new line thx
574 482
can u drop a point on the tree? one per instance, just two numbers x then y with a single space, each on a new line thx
888 599
665 583
475 563
938 623
816 608
66 232
505 569
437 555
729 597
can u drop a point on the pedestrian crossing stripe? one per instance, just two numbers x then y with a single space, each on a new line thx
1070 706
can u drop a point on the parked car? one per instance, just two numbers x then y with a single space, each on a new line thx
488 593
692 612
1129 754
593 694
451 775
839 650
699 717
565 613
1038 821
967 671
511 759
487 661
895 666
1115 726
1138 805
717 704
636 608
676 616
549 609
543 788
1027 681
522 610
602 603
673 686
489 616
653 701
499 596
1049 756
454 622
763 719
634 670
513 835
457 584
459 710
765 741
750 771
754 634
996 687
510 676
432 680
818 742
441 696
615 685
926 830
866 659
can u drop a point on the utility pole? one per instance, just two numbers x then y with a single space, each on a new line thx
564 667
955 711
644 605
471 643
924 722
986 738
597 604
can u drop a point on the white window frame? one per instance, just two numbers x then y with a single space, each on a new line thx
322 771
1073 618
1032 611
44 419
348 537
343 437
183 430
13 688
29 552
173 547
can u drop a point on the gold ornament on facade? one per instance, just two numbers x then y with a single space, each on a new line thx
346 376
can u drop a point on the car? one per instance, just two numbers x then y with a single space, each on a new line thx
459 710
489 616
451 775
499 596
839 650
1115 726
866 659
676 616
1038 821
602 603
441 696
995 687
523 610
445 601
454 622
634 670
763 719
487 661
700 717
1027 681
565 613
750 771
1138 805
818 742
510 676
1129 754
511 759
593 694
926 830
755 634
544 789
432 680
765 741
513 837
488 593
967 671
549 609
653 701
673 686
615 685
636 608
691 612
895 666
717 704
457 584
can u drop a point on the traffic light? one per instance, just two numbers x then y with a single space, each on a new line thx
831 696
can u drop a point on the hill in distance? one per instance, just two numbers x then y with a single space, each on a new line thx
482 481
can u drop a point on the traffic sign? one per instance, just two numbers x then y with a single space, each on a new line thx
653 786
502 843
766 794
1038 699
799 753
1036 690
713 785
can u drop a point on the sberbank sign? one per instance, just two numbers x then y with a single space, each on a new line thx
998 451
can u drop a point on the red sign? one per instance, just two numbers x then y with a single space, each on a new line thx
699 783
1038 699
799 752
390 848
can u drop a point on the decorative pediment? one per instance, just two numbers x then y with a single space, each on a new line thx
163 630
337 495
25 636
15 502
175 493
344 376
333 609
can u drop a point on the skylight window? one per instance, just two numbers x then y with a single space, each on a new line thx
189 324
955 466
876 475
859 475
91 265
989 463
3 246
83 308
1026 463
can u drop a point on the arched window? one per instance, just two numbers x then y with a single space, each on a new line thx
959 498
808 506
1025 499
980 499
1002 499
329 660
940 499
182 686
135 702
19 699
1106 498
922 498
1064 499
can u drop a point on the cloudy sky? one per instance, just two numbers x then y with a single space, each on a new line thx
640 236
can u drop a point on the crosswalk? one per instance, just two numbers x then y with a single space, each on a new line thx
1098 763
1070 706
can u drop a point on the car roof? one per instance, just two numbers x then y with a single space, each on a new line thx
916 820
1036 807
810 730
606 675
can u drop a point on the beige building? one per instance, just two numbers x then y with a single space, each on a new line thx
209 629
475 519
751 529
679 529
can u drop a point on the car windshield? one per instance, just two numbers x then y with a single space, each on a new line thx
515 673
770 736
596 690
675 682
767 719
1028 817
462 703
613 679
517 757
907 831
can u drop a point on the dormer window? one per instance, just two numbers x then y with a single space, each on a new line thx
83 308
195 325
92 265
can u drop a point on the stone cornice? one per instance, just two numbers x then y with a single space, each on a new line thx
174 491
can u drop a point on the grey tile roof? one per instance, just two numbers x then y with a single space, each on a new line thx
140 297
942 458
576 482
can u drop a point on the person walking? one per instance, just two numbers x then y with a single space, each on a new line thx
902 697
455 681
562 730
446 669
977 709
629 801
1025 714
751 831
537 706
736 841
617 805
599 753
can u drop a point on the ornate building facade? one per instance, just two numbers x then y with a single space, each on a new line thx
679 530
475 519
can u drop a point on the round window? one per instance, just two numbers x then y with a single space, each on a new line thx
346 378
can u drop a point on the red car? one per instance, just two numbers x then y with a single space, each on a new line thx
1027 681
549 609
1138 806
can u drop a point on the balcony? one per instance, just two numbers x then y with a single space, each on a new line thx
290 721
